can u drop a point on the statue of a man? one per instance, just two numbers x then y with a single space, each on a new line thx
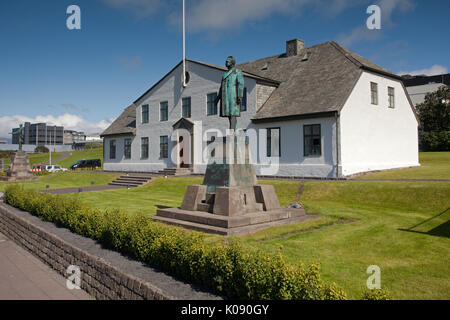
21 136
231 93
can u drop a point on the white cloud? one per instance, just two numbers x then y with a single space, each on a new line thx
431 71
213 16
140 8
358 34
68 121
362 33
216 15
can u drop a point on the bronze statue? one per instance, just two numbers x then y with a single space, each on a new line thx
21 137
231 93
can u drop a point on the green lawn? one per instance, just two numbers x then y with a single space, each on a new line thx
66 180
434 165
36 158
81 155
403 227
414 265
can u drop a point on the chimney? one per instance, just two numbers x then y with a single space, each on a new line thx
293 47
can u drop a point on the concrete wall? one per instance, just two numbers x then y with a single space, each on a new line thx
30 148
376 137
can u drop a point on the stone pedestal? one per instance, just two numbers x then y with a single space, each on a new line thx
19 169
230 201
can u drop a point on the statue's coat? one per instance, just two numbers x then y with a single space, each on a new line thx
232 87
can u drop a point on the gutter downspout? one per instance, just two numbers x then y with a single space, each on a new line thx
336 117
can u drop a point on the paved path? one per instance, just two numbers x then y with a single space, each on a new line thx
64 155
83 189
24 277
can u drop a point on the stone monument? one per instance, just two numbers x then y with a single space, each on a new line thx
19 167
230 201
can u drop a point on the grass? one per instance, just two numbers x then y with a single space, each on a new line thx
81 155
434 165
37 158
402 227
65 180
414 264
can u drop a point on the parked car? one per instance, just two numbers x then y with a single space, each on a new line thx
54 168
87 164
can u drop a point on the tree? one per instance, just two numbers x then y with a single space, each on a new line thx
434 115
41 149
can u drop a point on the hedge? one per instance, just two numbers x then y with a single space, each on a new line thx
230 268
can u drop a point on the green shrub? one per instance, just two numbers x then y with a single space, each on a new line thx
376 294
230 268
436 141
41 149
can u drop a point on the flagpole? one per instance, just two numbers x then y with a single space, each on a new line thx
184 45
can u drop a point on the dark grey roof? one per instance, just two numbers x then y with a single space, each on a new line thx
125 124
320 84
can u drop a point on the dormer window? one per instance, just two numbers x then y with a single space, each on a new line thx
307 56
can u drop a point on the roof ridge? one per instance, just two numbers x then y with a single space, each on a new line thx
339 48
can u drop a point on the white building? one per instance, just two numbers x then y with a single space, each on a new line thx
321 111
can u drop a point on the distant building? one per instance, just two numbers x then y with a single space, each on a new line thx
75 139
40 134
419 86
3 142
94 137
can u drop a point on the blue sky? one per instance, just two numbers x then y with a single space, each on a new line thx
83 79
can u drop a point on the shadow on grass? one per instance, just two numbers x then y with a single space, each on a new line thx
443 230
162 207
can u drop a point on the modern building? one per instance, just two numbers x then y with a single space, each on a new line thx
419 86
319 111
39 134
75 139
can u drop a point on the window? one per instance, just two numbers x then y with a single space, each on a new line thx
144 148
145 113
273 142
164 111
244 101
212 107
312 140
186 107
164 147
112 149
127 149
374 92
391 94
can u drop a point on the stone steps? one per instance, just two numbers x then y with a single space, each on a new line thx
132 181
233 231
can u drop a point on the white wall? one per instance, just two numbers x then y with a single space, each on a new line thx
376 137
119 163
293 162
203 80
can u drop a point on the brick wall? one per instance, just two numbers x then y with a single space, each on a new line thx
98 278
